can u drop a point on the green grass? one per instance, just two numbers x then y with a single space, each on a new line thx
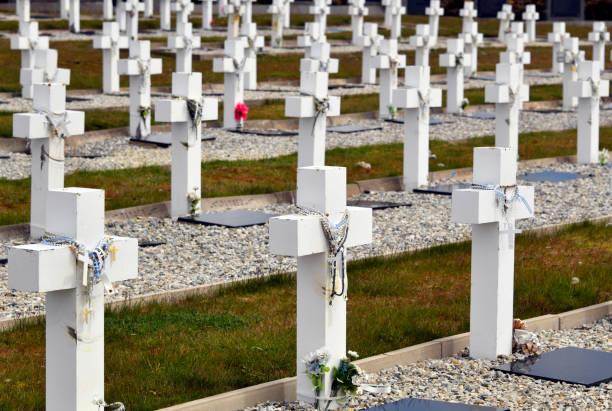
145 185
157 355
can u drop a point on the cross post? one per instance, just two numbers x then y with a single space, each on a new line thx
132 8
492 207
320 10
233 67
388 61
165 15
321 275
557 38
472 39
434 11
599 37
530 16
184 42
455 60
416 99
186 110
357 11
111 41
254 43
46 128
505 16
571 56
370 41
421 43
207 14
74 293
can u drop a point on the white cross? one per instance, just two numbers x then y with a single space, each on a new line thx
207 14
184 42
319 59
277 9
395 11
571 56
23 13
416 99
46 129
312 35
434 11
254 43
388 61
121 14
132 8
148 8
182 8
45 71
455 60
312 108
505 16
74 314
357 11
468 13
472 39
64 9
530 16
589 88
165 15
507 93
111 41
370 41
321 317
320 10
233 67
557 38
74 21
28 41
492 208
234 10
186 110
421 43
287 8
599 36
516 54
140 66
107 7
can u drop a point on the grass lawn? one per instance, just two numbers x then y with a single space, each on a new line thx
145 185
159 355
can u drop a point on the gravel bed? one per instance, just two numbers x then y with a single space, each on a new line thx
119 153
195 255
468 381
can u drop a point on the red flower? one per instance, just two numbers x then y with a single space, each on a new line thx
240 111
212 22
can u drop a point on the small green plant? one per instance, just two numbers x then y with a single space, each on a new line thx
343 375
194 201
464 103
604 157
392 110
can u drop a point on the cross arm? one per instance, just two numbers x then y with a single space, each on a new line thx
23 43
130 67
476 206
584 88
304 106
35 125
500 93
597 36
298 235
174 110
315 65
384 62
409 97
178 42
105 42
42 268
358 11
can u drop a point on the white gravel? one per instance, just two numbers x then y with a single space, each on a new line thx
464 380
196 255
120 154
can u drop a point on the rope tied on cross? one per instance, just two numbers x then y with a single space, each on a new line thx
502 198
57 123
195 109
144 113
594 89
33 42
321 107
238 65
93 259
114 406
145 72
336 235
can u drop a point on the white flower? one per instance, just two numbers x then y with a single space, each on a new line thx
352 354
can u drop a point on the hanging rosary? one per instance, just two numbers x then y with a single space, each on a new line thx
321 107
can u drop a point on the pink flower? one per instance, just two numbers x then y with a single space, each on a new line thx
212 22
240 111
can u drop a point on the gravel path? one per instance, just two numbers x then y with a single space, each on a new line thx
460 379
195 255
120 154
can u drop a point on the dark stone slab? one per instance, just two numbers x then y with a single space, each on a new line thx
231 218
264 133
484 77
74 99
572 365
345 86
3 261
376 205
87 156
541 75
442 189
87 32
162 139
4 157
551 176
432 121
417 404
607 106
483 115
145 244
351 128
337 30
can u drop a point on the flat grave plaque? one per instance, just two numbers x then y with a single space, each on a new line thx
337 30
376 205
4 157
346 86
231 218
414 404
351 128
482 115
76 99
541 75
442 189
147 244
551 176
432 121
162 139
572 365
264 133
3 261
86 156
484 77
